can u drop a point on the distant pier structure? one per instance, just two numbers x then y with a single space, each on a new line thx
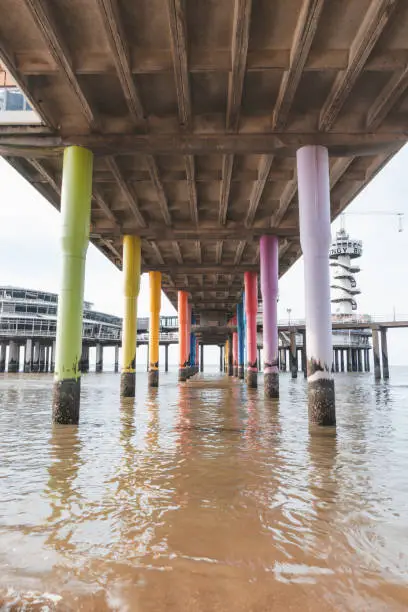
28 318
350 347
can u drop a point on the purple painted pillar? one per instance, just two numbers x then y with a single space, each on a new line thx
315 238
269 259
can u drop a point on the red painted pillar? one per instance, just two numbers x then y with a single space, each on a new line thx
251 309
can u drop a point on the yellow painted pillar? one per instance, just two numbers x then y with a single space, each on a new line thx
155 303
131 272
76 193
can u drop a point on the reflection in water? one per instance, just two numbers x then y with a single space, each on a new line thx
204 496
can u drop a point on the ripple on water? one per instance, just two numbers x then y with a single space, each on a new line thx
203 496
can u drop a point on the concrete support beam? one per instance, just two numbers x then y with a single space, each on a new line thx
76 196
384 353
99 358
376 355
131 273
3 350
154 328
14 357
251 309
84 363
28 354
315 239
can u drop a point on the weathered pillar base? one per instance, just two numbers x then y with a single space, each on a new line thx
271 384
235 371
153 378
252 379
230 370
65 401
321 402
182 374
13 367
241 372
128 384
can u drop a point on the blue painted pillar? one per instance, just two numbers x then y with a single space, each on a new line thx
192 349
241 339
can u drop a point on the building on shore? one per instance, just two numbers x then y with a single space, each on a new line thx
28 318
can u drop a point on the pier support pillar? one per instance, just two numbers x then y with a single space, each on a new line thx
154 325
14 357
52 365
183 313
251 309
336 360
166 357
192 358
116 366
76 193
315 238
341 360
241 339
293 355
354 360
349 360
84 364
235 354
99 358
221 359
283 361
376 355
36 358
3 349
28 353
269 264
384 353
366 360
197 355
47 358
42 358
131 285
230 358
359 360
201 357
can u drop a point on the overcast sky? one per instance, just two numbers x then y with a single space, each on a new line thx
30 255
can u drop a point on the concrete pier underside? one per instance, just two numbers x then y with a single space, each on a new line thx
195 145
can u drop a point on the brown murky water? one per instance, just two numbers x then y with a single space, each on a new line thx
203 497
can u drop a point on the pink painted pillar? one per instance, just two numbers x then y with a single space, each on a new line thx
269 260
251 309
189 313
315 238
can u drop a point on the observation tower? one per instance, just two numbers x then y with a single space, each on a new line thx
343 252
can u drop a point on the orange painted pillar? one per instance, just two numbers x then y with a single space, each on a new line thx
251 309
184 341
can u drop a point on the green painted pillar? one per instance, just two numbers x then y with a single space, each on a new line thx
76 196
